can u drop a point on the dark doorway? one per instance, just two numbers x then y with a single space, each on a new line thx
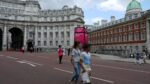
17 38
1 39
29 45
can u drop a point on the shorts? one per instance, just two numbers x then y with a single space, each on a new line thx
87 67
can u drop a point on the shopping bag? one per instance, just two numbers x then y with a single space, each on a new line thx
85 77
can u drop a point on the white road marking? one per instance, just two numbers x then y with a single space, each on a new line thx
10 57
1 55
63 70
141 71
121 68
108 81
33 64
95 78
23 62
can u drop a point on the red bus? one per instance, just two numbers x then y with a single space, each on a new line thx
81 35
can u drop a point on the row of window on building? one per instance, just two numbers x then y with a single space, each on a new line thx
121 29
132 32
51 34
131 36
54 28
34 18
51 43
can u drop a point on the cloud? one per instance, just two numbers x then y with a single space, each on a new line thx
107 5
57 4
114 5
93 20
110 5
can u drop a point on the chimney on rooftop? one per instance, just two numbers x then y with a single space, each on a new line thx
113 18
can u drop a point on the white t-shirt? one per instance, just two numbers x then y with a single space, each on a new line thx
76 55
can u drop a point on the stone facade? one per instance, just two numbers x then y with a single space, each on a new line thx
44 29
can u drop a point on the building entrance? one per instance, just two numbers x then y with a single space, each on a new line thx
16 38
30 45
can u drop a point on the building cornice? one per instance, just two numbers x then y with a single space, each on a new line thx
122 23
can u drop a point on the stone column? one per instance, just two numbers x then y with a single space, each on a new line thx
25 37
48 37
54 38
65 36
59 35
35 36
5 38
42 36
72 34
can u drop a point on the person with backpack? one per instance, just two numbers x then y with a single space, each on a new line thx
60 54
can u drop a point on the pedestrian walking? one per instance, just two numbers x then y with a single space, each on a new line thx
69 51
64 51
138 58
60 54
86 63
144 56
31 49
22 49
75 60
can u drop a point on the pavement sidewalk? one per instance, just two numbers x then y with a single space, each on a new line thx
117 58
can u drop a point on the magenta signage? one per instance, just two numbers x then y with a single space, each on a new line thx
81 35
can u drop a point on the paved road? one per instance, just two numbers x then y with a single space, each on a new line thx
43 68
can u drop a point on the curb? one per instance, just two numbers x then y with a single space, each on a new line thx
119 60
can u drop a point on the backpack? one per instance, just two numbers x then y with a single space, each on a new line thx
60 51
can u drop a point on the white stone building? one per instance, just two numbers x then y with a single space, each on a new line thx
24 23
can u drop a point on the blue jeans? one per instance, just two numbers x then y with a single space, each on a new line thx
77 69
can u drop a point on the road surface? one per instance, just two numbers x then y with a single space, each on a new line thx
43 68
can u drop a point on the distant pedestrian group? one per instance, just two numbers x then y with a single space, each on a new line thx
81 60
141 56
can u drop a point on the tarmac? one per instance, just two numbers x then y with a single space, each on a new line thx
117 58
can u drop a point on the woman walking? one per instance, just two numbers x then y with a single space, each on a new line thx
75 60
60 54
86 63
